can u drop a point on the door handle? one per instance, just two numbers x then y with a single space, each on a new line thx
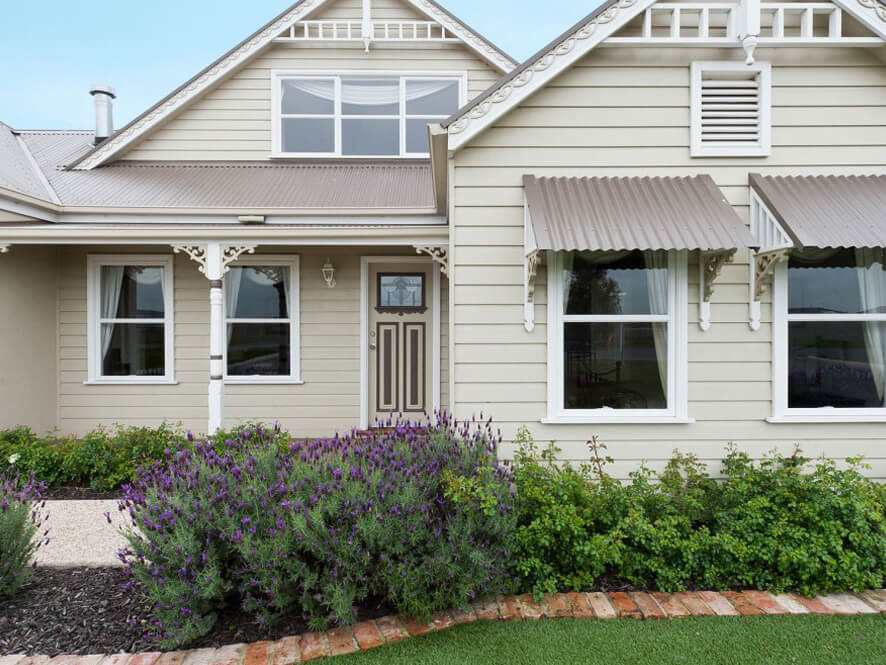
372 344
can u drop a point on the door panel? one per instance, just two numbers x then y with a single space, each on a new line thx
415 367
387 385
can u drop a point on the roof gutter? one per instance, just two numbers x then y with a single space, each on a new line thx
29 206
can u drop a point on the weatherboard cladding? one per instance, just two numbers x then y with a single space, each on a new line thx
827 211
632 213
315 185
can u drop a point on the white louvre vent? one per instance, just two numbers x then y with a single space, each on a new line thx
730 109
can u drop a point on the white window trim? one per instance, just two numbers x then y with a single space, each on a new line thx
781 413
678 315
278 75
294 377
764 147
94 263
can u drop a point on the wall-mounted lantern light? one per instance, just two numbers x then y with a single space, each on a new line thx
329 274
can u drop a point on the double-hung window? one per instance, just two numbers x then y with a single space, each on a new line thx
130 319
262 320
360 114
617 336
830 337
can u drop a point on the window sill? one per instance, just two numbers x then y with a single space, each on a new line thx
131 382
617 420
360 158
263 381
827 418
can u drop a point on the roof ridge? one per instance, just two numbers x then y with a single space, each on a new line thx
53 195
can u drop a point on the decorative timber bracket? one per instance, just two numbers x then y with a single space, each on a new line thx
202 255
530 270
440 255
710 264
4 249
762 268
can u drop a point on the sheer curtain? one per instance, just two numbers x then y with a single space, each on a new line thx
367 92
657 283
872 283
111 286
232 293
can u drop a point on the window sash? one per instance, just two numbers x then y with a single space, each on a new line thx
95 357
293 321
676 351
338 116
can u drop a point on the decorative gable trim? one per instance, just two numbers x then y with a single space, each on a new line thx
871 13
551 61
244 52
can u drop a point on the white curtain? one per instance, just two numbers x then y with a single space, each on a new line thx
872 282
284 277
232 293
111 286
367 92
657 283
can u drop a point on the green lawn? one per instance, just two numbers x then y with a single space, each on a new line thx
775 640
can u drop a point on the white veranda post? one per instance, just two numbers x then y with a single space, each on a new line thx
215 260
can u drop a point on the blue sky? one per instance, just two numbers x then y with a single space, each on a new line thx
51 51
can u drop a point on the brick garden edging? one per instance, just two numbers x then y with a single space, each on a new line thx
389 629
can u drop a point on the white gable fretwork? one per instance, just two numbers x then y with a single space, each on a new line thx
746 24
375 31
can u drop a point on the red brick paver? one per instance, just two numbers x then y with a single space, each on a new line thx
765 601
717 602
202 657
601 605
692 602
846 603
464 616
486 610
34 660
625 606
11 659
416 628
314 646
648 607
508 608
442 620
791 603
876 599
742 603
172 658
368 635
258 653
147 658
557 605
390 629
286 652
341 641
578 603
815 606
669 603
529 609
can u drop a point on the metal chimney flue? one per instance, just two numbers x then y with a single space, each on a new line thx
104 111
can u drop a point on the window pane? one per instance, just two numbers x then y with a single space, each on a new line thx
370 137
431 97
133 349
615 365
308 135
417 136
370 96
845 281
615 283
258 349
257 292
132 292
838 364
308 97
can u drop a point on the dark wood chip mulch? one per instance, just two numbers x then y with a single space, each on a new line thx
79 494
84 611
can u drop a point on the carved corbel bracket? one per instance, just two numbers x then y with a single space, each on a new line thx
440 255
763 264
4 249
530 268
199 254
231 253
710 264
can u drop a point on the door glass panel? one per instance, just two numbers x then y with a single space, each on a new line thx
397 291
615 283
615 365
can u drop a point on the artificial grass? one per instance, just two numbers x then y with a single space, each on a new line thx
765 640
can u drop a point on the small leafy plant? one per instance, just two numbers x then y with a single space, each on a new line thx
21 518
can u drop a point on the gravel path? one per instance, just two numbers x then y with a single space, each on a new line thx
79 534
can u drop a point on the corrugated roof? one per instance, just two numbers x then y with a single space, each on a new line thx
632 213
16 171
258 185
827 211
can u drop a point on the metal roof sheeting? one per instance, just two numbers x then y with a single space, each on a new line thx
16 171
827 211
246 185
632 213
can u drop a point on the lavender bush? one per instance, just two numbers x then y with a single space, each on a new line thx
21 517
419 515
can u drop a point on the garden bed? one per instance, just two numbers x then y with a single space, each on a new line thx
80 494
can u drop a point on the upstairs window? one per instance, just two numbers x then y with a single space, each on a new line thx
360 115
730 109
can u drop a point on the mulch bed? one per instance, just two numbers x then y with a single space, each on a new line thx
79 494
82 611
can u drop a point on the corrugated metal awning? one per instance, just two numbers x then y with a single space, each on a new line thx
632 213
827 211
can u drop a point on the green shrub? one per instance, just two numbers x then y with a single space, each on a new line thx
20 520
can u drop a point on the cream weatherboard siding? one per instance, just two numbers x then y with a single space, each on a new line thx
624 111
28 328
329 400
233 120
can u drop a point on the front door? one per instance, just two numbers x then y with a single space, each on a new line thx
400 339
